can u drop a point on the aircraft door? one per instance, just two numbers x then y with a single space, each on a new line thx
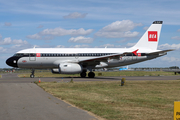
32 55
76 56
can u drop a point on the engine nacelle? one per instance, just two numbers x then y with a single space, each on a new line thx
68 68
55 71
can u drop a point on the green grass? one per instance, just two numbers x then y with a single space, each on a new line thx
118 73
137 100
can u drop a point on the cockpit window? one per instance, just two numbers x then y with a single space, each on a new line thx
18 54
21 55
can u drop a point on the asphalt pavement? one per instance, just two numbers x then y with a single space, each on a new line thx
26 101
21 99
12 78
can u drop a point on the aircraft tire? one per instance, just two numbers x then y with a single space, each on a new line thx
83 74
91 75
31 76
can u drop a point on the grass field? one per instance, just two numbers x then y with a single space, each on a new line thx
118 73
137 100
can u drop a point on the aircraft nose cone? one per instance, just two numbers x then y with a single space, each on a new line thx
12 62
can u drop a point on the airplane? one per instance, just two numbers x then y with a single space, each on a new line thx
79 60
123 68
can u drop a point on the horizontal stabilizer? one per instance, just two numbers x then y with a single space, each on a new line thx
162 51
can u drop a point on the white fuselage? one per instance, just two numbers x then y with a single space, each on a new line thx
38 58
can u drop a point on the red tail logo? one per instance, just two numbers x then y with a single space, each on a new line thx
152 36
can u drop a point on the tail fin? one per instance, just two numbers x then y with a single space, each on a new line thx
150 38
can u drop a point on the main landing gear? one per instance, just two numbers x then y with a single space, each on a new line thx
32 73
90 74
83 74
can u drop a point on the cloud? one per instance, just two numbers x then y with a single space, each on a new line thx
119 29
2 50
63 32
81 39
75 15
107 45
14 47
123 40
40 26
51 33
80 46
8 41
60 46
7 24
175 38
130 44
35 36
168 46
19 41
145 28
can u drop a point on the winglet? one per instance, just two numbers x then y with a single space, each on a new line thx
135 52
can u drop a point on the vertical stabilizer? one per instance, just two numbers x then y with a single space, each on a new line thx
150 38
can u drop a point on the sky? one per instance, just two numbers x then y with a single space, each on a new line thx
88 24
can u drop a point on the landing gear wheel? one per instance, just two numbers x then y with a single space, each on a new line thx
91 75
31 76
83 74
32 73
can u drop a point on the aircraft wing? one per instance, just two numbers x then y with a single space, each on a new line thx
97 60
162 51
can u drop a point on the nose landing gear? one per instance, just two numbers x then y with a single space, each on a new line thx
32 73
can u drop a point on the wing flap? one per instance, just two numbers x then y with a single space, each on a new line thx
104 58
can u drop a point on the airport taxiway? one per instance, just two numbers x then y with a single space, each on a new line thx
20 98
23 100
13 78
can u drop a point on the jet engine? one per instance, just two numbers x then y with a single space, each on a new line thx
68 68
